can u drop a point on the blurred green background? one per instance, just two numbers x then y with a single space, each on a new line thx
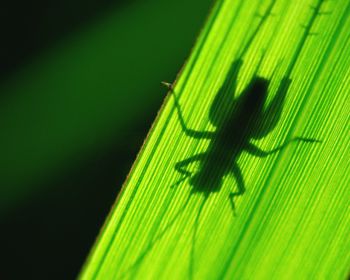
79 90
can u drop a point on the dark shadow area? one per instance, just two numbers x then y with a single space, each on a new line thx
237 122
49 234
28 27
49 237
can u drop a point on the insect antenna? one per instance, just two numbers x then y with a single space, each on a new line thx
263 19
316 12
306 34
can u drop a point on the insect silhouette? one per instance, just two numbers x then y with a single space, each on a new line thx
238 119
237 122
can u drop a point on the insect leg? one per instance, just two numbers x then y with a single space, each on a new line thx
240 185
180 166
256 151
188 131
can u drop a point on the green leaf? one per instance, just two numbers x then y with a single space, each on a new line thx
186 216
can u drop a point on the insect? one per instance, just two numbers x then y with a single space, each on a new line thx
238 119
237 122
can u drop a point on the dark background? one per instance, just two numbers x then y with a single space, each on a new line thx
79 90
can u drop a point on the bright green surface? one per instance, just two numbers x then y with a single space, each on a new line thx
293 221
